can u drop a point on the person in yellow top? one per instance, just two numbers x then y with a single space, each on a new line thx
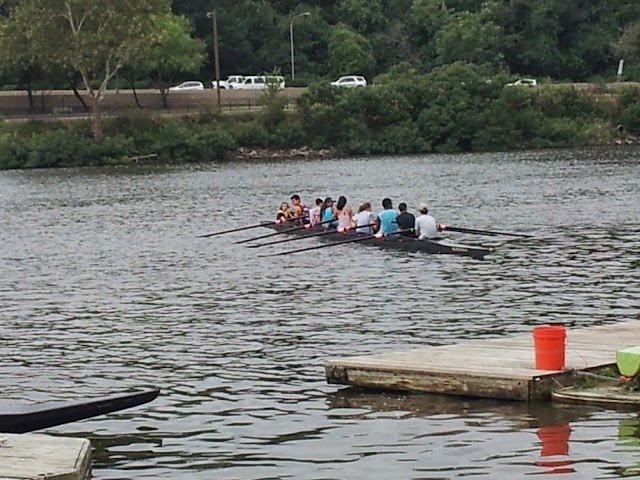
283 212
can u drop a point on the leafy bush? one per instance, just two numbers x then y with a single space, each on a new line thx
251 134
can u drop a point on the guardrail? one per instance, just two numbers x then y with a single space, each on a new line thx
62 103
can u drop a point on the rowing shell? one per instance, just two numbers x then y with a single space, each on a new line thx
395 242
28 418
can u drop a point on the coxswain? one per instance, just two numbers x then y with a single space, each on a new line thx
386 222
405 221
283 212
299 210
425 225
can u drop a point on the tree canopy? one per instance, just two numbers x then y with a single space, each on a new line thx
574 40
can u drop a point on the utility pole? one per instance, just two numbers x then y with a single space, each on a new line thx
216 60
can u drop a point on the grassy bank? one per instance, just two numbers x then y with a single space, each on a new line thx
454 108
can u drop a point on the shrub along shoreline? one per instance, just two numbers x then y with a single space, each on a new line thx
455 108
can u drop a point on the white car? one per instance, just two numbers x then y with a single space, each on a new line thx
350 81
188 86
523 82
232 81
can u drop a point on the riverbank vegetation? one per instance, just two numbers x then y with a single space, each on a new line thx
455 108
439 72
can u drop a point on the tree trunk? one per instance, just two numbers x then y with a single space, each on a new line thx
163 95
73 83
135 95
132 84
25 80
98 134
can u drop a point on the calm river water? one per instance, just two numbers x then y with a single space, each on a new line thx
105 287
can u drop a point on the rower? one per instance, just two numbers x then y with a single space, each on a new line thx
364 218
283 212
405 221
343 213
314 213
425 225
327 213
300 210
387 218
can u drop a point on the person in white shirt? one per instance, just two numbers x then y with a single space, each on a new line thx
364 219
314 213
425 226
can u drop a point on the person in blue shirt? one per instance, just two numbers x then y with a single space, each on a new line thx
387 218
327 213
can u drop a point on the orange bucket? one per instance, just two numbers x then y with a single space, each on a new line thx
548 343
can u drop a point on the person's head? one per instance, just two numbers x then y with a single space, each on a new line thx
402 207
295 200
284 206
423 209
365 206
386 203
342 202
319 202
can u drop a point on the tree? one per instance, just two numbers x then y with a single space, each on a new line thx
349 52
469 37
92 38
172 51
364 16
628 45
426 18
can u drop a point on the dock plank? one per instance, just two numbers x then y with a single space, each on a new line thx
494 368
35 456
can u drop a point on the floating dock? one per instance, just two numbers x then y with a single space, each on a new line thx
495 368
42 457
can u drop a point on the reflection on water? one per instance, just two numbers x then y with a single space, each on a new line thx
105 286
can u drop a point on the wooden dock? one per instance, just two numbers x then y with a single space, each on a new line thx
495 368
34 456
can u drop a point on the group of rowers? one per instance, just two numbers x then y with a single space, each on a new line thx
341 217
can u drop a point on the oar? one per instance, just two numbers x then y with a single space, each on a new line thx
342 242
275 242
280 232
482 232
247 228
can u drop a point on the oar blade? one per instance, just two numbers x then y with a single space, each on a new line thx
491 233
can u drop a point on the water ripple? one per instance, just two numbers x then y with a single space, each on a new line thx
105 287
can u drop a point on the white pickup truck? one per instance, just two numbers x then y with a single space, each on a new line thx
231 82
260 82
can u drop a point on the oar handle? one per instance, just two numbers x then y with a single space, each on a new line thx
240 229
311 235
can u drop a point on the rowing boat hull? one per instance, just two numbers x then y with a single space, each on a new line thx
28 418
394 242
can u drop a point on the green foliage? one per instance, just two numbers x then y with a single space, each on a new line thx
172 51
349 53
469 37
289 134
251 134
273 102
457 107
630 118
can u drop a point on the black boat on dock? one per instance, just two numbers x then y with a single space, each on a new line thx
392 242
28 418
